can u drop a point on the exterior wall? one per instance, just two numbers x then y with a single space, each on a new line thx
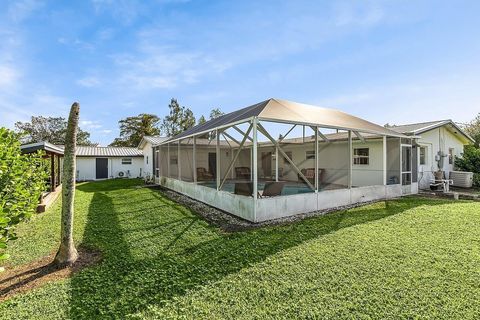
86 167
437 140
147 159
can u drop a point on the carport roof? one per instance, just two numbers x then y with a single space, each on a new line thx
285 111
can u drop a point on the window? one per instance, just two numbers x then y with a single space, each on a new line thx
127 161
423 155
361 156
147 159
310 154
451 155
173 160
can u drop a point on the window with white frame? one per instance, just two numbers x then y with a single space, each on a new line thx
127 161
361 156
310 154
423 155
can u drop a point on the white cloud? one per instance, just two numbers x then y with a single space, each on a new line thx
357 14
89 82
8 76
89 124
22 9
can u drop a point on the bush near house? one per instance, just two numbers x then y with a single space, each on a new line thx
470 162
22 180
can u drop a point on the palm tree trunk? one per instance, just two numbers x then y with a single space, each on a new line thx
67 254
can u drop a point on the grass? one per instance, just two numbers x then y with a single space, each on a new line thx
408 258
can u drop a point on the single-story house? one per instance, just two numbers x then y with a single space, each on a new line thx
95 163
439 142
247 163
146 145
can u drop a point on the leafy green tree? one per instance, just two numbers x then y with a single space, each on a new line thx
201 120
215 113
132 129
179 119
473 129
22 181
470 161
51 129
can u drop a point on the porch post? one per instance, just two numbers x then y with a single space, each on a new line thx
276 163
52 172
316 160
59 181
179 166
217 158
194 156
168 160
384 160
255 162
350 159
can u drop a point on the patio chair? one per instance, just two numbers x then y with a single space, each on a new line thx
273 189
243 188
242 173
309 173
203 174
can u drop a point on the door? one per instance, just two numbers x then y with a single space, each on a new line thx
406 165
266 165
101 168
212 163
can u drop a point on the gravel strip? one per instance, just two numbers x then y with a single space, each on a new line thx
230 223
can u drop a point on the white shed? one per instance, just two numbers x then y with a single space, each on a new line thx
97 163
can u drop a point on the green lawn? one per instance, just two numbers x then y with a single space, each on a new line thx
408 258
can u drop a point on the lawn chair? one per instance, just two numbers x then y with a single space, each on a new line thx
242 173
243 188
203 174
273 189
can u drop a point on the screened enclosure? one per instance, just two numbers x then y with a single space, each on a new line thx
284 150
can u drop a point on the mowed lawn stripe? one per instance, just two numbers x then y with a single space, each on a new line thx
404 258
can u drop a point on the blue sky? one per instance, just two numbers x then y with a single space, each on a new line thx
385 61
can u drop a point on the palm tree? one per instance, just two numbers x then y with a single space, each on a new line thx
67 253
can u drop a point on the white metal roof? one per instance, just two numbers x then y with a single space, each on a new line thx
87 151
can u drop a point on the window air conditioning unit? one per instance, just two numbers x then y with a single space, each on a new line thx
462 179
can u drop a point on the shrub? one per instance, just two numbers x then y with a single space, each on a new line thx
470 162
22 181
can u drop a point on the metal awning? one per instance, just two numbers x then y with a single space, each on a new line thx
284 111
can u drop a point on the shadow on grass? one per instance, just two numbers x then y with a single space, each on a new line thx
168 250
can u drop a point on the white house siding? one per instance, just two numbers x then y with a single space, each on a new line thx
439 139
86 167
147 159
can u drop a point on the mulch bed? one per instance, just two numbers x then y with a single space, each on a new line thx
35 274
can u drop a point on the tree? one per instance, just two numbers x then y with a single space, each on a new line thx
201 120
132 129
470 161
178 120
215 113
67 253
22 181
51 129
473 129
